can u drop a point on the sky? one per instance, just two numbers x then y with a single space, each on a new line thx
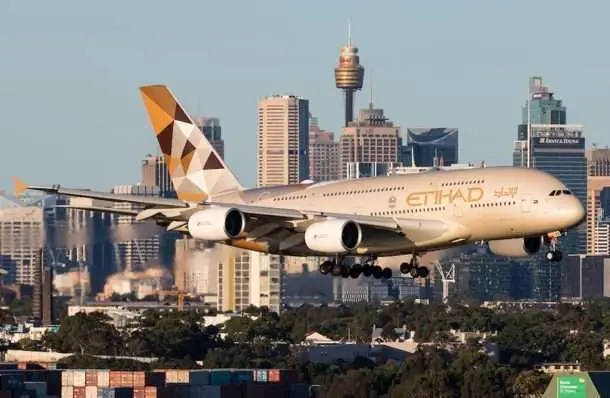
71 112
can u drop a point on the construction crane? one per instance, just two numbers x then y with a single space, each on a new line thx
447 275
179 293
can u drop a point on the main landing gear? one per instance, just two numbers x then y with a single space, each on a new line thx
413 269
367 268
553 253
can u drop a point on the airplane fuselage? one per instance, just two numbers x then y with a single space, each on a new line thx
483 203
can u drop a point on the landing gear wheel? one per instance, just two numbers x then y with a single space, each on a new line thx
405 268
367 270
554 255
325 267
386 273
377 272
337 270
355 271
423 272
345 271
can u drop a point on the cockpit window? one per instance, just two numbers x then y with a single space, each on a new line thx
566 192
553 193
558 192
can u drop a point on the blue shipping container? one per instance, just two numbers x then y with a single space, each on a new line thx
241 376
220 377
11 381
121 392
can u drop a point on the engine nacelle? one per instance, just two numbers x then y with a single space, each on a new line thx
517 247
217 224
333 236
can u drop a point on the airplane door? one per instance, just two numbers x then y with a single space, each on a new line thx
457 210
526 203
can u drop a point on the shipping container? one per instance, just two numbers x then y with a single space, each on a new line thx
274 375
177 376
267 390
121 379
139 392
103 378
151 392
91 392
233 391
78 378
79 392
91 378
199 377
11 381
211 391
5 394
67 391
39 386
220 377
261 375
67 378
241 376
121 392
143 379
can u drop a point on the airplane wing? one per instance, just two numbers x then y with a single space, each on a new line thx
21 187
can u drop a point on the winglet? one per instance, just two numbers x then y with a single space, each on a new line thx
20 186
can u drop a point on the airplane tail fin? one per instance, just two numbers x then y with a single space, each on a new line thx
196 169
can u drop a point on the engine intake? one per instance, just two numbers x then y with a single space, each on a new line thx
333 236
217 224
517 247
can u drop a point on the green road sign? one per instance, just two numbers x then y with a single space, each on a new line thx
571 387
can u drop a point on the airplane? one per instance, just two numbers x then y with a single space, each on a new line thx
514 210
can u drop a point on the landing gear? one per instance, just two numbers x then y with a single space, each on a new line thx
413 269
554 253
367 268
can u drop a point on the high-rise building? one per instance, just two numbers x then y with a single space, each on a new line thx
283 140
21 239
155 173
558 149
134 250
323 154
210 127
372 138
431 147
349 76
598 212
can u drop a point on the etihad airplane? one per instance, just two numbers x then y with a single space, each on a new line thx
514 210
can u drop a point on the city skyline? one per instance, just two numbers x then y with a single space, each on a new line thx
94 65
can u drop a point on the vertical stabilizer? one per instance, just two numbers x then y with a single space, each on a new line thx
196 170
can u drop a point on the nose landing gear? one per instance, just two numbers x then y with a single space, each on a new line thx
553 253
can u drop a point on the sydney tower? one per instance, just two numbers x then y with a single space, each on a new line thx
349 75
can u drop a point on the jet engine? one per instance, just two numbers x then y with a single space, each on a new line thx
333 236
217 224
517 247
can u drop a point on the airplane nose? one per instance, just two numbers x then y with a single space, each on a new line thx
574 212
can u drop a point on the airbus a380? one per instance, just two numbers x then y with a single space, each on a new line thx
516 211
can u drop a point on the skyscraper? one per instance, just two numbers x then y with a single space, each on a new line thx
373 138
558 149
283 140
211 129
598 212
156 174
433 146
323 154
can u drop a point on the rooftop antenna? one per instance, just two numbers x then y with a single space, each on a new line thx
349 31
371 90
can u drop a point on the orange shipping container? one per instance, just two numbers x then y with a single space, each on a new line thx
274 375
121 379
150 392
91 378
79 392
139 392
